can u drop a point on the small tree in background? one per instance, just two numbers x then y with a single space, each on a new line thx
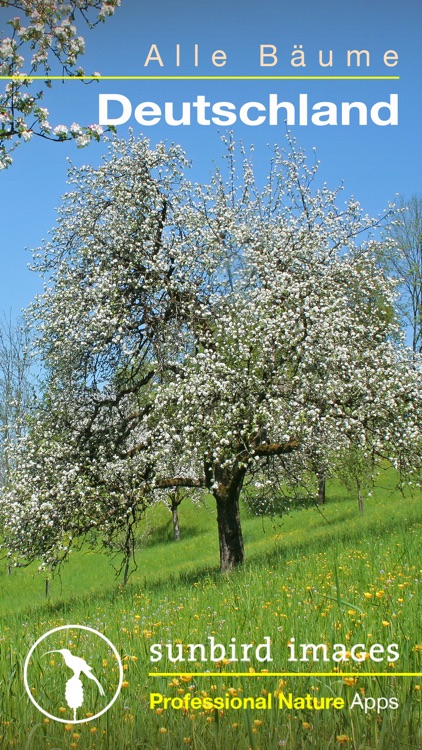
402 257
15 387
356 471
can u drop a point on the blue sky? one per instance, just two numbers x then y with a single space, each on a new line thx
373 162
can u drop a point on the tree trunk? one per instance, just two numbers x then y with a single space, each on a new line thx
230 537
360 498
175 516
321 490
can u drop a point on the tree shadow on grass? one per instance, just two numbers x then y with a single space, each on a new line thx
115 595
163 534
340 531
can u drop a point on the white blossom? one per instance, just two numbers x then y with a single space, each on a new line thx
48 37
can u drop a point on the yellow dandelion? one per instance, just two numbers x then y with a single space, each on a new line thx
362 655
342 738
306 725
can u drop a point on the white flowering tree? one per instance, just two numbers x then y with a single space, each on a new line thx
42 39
202 337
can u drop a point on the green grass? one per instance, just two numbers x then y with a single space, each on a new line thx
158 559
329 576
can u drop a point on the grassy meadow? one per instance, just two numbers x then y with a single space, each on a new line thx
327 575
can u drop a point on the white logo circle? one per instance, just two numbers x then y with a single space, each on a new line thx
77 665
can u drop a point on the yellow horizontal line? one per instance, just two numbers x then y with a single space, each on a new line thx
200 78
284 674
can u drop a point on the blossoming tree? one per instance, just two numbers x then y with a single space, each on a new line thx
42 34
402 256
202 337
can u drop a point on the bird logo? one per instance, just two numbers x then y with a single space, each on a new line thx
74 688
39 672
